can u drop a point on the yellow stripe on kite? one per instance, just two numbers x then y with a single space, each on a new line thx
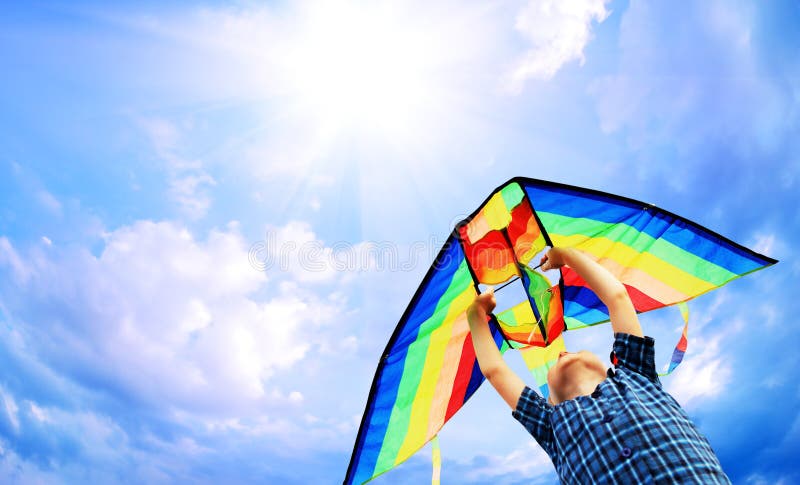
524 325
631 260
538 356
494 215
416 436
533 245
497 214
444 386
477 228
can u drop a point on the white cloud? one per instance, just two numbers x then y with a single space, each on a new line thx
706 369
77 446
690 86
49 202
171 319
294 250
188 181
527 461
558 31
39 413
764 243
758 479
9 257
11 409
295 397
189 190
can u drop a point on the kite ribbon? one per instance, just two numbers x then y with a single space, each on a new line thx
437 460
680 349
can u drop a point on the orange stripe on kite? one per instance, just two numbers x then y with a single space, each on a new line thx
444 385
524 233
642 281
490 257
641 301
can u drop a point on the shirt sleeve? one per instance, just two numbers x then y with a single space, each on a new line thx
534 412
637 354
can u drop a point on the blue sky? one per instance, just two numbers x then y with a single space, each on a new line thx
212 216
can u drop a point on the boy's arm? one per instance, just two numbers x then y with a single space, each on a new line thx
494 368
608 288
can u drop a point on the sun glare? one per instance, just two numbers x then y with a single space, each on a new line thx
364 68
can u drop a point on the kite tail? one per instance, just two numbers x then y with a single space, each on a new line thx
680 348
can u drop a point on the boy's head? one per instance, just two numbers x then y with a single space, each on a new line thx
573 374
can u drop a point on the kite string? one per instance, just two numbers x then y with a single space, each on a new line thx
541 315
506 283
514 279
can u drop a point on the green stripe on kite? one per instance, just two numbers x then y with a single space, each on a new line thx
640 242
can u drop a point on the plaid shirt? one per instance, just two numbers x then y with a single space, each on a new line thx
628 431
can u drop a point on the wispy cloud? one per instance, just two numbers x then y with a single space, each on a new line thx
528 462
188 181
666 77
49 201
558 32
10 258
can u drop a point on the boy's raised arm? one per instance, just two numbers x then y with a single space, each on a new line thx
608 288
494 368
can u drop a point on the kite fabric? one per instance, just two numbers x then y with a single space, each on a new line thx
429 370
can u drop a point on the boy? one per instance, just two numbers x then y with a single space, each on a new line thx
598 426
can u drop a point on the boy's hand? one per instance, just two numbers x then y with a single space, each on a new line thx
484 302
491 362
554 258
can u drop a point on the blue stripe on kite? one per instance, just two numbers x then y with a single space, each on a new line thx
544 389
385 397
526 283
585 297
447 264
677 356
587 316
476 379
676 360
392 367
654 222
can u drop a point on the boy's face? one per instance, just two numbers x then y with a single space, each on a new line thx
571 368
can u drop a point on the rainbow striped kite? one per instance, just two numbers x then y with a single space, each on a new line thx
428 370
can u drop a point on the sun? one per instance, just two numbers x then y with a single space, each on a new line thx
365 68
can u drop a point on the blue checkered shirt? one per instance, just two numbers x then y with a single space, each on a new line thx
629 431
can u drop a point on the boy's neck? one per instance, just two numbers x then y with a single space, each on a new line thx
583 388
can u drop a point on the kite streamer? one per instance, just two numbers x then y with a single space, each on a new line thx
436 458
680 349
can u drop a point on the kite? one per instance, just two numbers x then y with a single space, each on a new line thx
429 370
